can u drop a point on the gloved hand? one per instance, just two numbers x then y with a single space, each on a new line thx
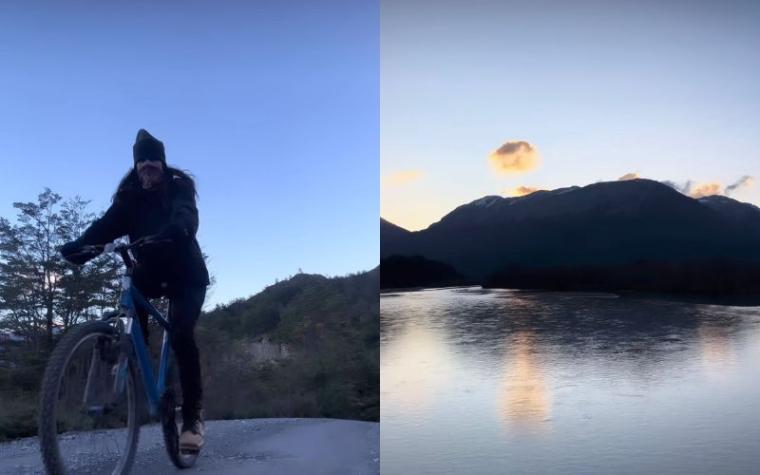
73 252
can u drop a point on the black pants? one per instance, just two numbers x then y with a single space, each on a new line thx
184 309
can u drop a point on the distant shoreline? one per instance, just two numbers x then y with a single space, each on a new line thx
416 289
706 299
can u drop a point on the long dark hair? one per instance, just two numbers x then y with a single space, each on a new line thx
130 186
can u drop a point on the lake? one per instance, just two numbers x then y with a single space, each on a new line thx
498 381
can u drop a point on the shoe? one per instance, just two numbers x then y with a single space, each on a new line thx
191 439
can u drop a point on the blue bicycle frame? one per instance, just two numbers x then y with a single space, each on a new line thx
131 299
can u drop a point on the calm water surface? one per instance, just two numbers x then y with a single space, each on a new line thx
476 381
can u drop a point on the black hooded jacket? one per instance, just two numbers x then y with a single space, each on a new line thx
168 211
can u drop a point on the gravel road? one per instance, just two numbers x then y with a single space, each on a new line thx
260 446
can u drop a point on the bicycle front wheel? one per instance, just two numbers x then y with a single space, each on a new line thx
88 415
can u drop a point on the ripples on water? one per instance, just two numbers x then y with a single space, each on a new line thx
482 381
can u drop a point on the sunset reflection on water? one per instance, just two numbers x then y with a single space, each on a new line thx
717 347
525 401
417 352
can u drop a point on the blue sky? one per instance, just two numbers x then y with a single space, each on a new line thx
273 106
664 89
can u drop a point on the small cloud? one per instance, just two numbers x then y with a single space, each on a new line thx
521 191
699 190
743 182
629 176
402 177
514 157
706 189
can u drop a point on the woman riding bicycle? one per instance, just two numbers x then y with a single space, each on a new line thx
156 200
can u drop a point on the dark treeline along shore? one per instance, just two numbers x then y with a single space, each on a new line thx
636 235
307 346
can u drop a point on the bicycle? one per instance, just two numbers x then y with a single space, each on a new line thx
93 398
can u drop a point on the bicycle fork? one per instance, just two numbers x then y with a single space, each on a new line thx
98 396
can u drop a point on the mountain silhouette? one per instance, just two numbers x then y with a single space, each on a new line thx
604 229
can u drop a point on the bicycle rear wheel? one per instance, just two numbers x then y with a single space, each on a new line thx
87 420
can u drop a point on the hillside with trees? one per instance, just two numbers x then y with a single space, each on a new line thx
304 347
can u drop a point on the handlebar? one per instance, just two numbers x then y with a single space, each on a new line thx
113 247
121 249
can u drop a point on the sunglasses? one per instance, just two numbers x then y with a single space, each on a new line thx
146 158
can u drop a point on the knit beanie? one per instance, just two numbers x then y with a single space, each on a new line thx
148 146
